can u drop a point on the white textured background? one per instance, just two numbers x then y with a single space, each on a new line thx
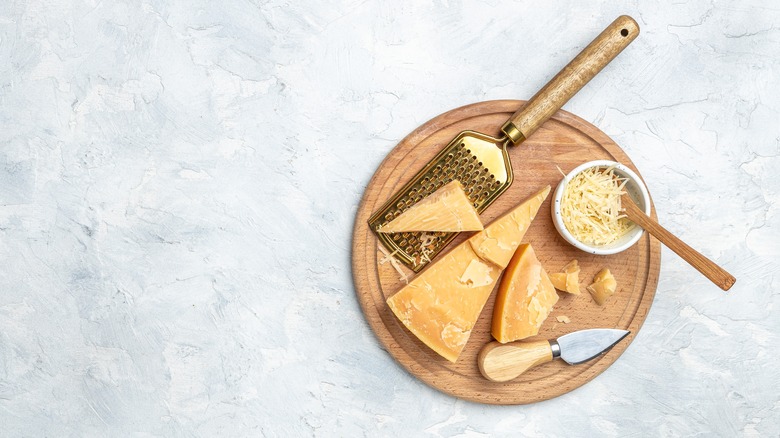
178 181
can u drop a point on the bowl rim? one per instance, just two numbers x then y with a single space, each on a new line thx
561 227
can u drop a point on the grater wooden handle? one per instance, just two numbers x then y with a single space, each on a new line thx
616 37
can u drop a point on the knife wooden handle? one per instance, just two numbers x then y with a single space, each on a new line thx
571 79
503 362
713 272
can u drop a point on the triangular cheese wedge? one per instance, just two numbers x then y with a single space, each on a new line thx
525 298
441 305
447 209
500 240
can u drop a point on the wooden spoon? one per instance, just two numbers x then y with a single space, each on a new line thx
715 273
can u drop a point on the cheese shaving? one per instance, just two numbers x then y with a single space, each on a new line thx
591 207
393 262
426 240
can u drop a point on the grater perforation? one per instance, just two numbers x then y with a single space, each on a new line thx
457 161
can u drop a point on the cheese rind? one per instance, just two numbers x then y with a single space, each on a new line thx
525 298
499 241
447 209
442 304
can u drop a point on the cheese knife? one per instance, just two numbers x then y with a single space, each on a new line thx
503 362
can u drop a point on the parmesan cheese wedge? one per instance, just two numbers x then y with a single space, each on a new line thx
525 298
441 305
447 209
500 240
569 279
604 286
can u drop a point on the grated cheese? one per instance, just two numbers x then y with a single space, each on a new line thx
393 262
426 241
591 208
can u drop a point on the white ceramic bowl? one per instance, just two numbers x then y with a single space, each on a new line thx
634 187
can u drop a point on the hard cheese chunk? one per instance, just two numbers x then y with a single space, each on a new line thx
569 279
447 209
499 241
525 298
604 286
442 304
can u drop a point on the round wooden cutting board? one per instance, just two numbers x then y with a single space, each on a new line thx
565 141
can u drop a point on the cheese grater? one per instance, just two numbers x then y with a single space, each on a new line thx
481 162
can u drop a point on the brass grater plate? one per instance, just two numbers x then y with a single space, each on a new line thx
480 162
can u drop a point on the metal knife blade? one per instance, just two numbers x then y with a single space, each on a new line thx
584 345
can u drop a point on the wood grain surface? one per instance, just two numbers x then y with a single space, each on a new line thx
565 141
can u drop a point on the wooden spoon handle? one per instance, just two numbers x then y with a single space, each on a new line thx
715 273
503 362
571 79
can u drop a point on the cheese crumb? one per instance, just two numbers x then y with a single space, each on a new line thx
568 280
563 318
604 286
